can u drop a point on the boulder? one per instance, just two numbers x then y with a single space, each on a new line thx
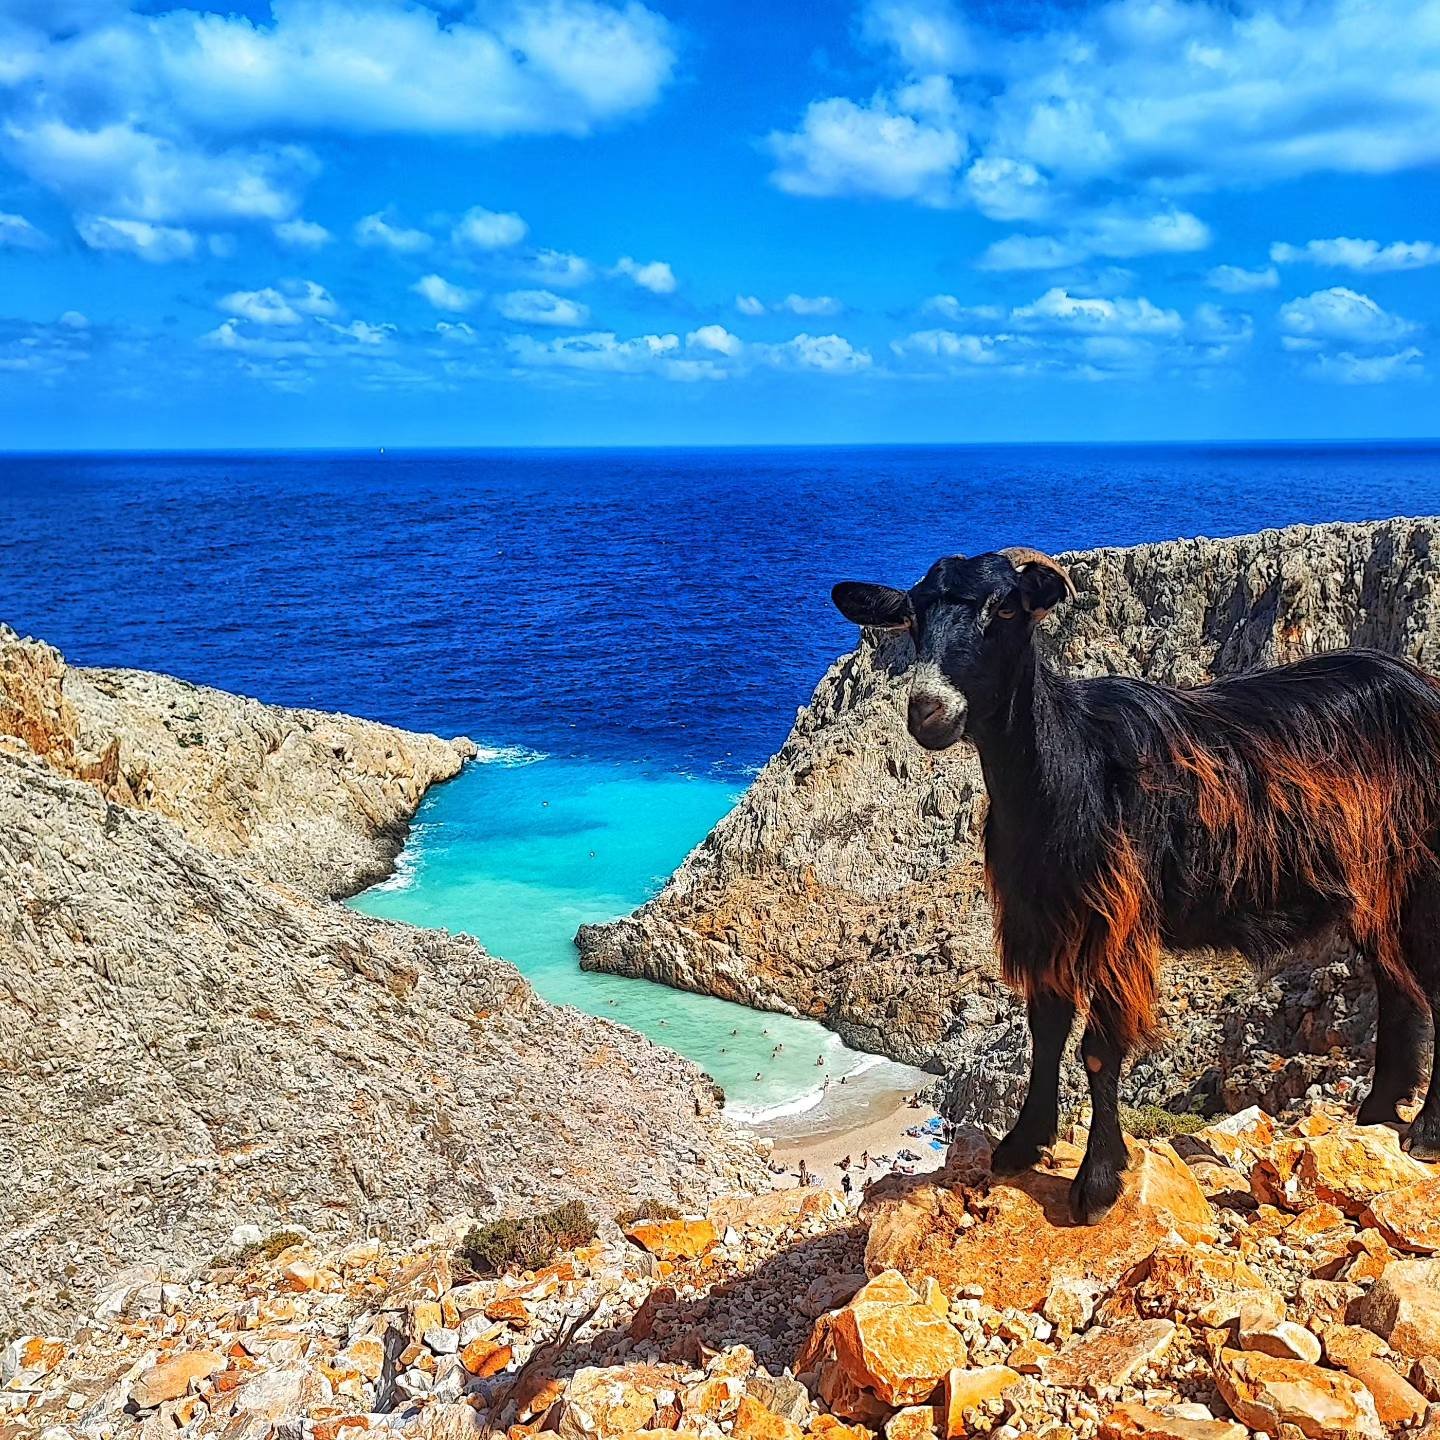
967 1389
1397 1401
1348 1166
1267 1393
753 1421
1014 1239
1196 1282
1130 1422
1409 1218
1403 1306
1264 1330
1109 1356
171 1378
914 1422
606 1402
674 1239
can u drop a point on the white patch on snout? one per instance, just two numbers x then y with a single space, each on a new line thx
928 682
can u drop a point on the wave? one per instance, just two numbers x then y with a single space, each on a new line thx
406 869
508 755
763 1114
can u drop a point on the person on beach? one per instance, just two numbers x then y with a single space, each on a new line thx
864 1159
803 1173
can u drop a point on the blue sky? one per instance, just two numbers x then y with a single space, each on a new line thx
402 222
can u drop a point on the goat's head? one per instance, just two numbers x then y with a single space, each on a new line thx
971 619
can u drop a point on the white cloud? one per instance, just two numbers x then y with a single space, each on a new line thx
260 307
362 332
542 307
158 244
1137 97
17 233
750 305
845 148
832 354
1114 233
1059 310
1346 368
558 267
442 294
656 276
311 298
377 230
810 305
456 332
714 338
952 309
1342 314
1359 255
74 320
481 229
983 351
1235 280
302 234
601 351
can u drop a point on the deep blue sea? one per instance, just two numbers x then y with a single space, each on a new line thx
628 632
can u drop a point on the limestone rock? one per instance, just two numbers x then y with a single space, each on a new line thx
1403 1306
1110 1355
1266 1393
1348 1166
1397 1402
673 1239
888 1341
1014 1240
965 1390
1262 1331
1409 1217
1200 1283
1134 1421
171 1378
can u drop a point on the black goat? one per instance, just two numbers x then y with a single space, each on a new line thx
1127 817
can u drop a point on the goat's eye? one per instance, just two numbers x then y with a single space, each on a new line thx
1007 612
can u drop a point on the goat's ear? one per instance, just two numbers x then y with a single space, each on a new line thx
1044 582
880 606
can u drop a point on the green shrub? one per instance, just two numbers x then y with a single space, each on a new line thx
266 1249
526 1242
1151 1122
647 1210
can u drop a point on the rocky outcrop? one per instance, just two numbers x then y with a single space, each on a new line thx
190 1042
1202 1313
322 802
846 884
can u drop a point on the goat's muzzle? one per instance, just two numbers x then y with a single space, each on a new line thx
933 723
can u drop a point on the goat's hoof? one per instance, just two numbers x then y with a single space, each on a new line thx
1093 1195
1015 1153
1378 1114
1423 1141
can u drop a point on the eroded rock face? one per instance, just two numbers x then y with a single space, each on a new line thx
846 884
190 1046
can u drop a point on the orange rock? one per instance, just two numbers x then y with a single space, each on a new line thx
1324 1302
1346 1167
898 1349
753 1421
913 1422
775 1210
1316 1220
965 1389
364 1356
1266 1393
1239 1139
537 1393
716 1398
171 1378
1425 1376
510 1309
1016 1238
1262 1327
848 1398
1201 1284
1215 1178
484 1358
1409 1217
1403 1306
1130 1422
827 1427
673 1239
1109 1355
1397 1401
1344 1343
606 1402
1029 1356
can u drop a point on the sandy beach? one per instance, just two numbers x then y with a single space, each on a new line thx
878 1131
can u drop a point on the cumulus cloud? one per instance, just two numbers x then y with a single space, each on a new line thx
260 307
952 309
300 234
656 276
456 332
542 307
750 305
831 354
601 351
1057 309
1114 233
559 267
1133 96
810 305
1236 280
378 231
17 233
157 244
714 338
482 229
1342 314
1359 255
442 294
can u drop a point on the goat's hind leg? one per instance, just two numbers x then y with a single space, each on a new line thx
1051 1017
1098 1183
1420 939
1402 1040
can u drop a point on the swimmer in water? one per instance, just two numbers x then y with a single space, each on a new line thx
757 1075
819 1059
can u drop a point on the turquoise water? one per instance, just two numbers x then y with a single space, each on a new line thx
521 851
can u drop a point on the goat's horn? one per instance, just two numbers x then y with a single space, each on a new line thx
1021 555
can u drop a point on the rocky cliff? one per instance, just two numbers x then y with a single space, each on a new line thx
192 1038
846 884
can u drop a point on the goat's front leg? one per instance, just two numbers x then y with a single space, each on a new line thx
1051 1017
1098 1183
